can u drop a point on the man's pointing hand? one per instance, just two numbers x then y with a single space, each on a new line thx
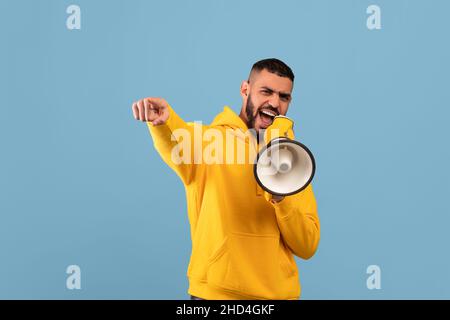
154 110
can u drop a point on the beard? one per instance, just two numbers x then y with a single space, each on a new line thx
250 112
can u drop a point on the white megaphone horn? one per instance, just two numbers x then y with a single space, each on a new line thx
284 166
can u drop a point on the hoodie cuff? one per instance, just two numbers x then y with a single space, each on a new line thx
285 207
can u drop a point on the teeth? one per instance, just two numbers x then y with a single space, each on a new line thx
269 113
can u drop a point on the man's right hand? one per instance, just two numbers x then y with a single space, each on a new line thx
154 110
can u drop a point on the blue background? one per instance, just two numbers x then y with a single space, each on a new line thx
80 182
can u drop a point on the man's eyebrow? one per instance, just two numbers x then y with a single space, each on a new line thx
282 94
267 88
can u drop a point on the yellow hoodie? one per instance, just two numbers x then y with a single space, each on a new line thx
242 244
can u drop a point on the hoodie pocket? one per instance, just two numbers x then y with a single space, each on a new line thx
218 253
254 265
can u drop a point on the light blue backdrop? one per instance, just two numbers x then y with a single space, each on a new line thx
80 182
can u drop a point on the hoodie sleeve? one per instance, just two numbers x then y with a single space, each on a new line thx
299 222
169 138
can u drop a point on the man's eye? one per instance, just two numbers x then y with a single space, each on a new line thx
266 92
285 98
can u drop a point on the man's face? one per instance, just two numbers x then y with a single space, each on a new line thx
266 95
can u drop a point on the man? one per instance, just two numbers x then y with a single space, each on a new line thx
243 239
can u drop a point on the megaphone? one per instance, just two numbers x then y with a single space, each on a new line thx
284 166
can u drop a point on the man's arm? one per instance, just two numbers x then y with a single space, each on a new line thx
168 130
299 222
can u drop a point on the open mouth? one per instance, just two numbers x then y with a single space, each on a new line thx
267 116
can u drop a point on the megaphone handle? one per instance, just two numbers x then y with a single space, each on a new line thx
272 198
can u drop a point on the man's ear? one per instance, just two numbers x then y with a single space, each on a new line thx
244 89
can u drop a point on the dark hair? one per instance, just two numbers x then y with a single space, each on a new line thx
274 66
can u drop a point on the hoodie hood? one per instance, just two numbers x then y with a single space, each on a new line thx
229 118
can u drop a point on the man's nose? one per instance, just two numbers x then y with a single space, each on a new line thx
275 102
